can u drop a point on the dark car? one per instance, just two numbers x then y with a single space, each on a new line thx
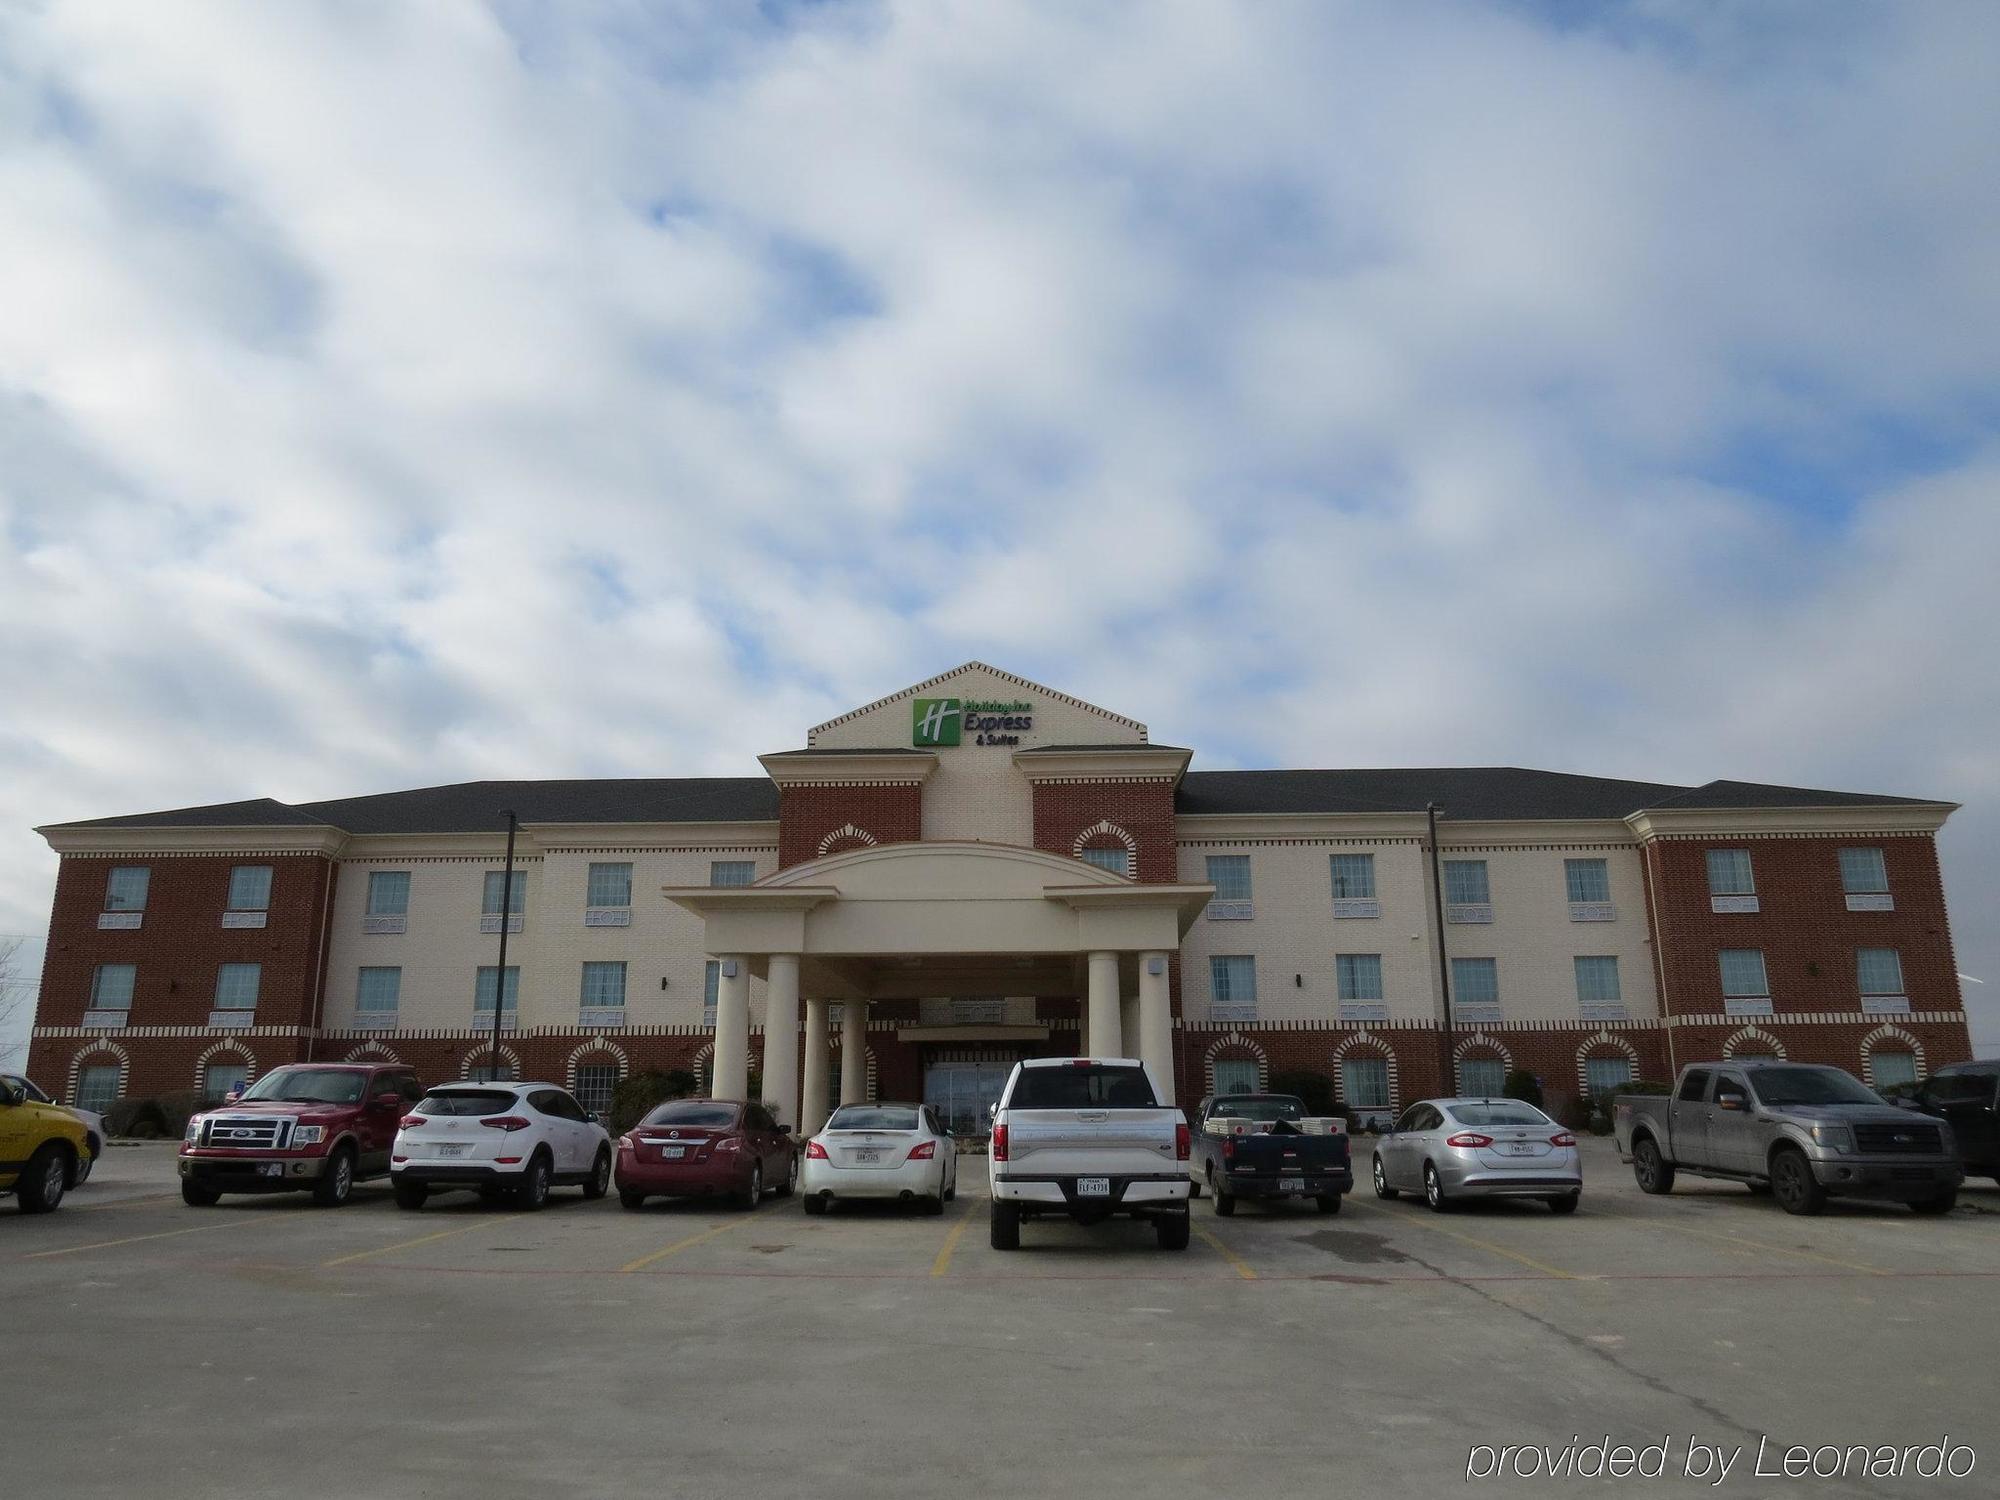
1966 1096
705 1148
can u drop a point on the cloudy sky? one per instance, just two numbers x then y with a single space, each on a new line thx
393 394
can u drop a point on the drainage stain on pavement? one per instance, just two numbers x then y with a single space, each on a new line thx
1355 1247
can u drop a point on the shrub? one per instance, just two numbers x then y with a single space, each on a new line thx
636 1095
1525 1086
155 1117
1315 1089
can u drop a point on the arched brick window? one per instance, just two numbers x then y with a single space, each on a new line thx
844 838
1109 847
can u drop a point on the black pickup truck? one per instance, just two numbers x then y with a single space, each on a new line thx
1257 1146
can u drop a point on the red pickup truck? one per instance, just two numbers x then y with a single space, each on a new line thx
306 1127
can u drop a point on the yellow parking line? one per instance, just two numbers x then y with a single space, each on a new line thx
1737 1239
1501 1250
694 1239
943 1261
422 1239
1237 1262
133 1239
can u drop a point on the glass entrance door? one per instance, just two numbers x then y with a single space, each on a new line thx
963 1093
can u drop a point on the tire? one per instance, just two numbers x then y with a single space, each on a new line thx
194 1195
1194 1188
1434 1191
44 1180
1652 1171
1793 1184
754 1193
784 1189
1382 1188
1943 1203
1565 1204
934 1205
813 1203
533 1189
336 1183
1225 1204
93 1148
410 1194
1004 1226
600 1176
1172 1231
629 1199
1329 1203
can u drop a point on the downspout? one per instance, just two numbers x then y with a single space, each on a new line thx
1446 1083
1660 958
319 958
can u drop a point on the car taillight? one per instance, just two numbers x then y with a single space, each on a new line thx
999 1146
507 1122
816 1152
922 1151
1565 1139
1229 1148
1183 1141
1468 1138
626 1143
729 1143
409 1122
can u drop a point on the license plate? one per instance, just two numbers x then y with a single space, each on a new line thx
1093 1187
449 1151
1295 1187
865 1158
1519 1148
669 1153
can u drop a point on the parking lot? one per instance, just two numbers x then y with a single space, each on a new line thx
587 1350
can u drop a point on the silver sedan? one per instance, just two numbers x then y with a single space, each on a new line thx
1448 1149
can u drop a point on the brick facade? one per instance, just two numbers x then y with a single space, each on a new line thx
814 814
1066 811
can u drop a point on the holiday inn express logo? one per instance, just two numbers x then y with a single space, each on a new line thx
935 721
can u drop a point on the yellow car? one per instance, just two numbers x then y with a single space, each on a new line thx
42 1148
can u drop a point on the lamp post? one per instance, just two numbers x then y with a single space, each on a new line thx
1445 1082
506 916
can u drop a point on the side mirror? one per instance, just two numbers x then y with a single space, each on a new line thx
1729 1101
13 1093
784 1130
390 1099
592 1117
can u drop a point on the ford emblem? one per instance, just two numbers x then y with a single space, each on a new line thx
239 1135
1904 1140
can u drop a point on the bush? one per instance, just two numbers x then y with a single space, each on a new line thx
636 1096
1315 1089
1525 1086
160 1116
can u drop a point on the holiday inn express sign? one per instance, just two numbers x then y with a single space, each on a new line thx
936 722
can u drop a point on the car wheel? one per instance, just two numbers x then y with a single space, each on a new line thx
1225 1204
93 1148
1194 1188
1329 1203
411 1194
1943 1203
1382 1188
336 1183
43 1181
1004 1226
1652 1171
1566 1204
629 1199
1434 1190
1793 1183
754 1194
533 1190
813 1203
1172 1231
784 1189
194 1195
600 1176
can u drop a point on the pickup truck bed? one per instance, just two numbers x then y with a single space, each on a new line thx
1264 1146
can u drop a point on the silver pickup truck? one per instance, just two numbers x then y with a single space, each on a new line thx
1801 1132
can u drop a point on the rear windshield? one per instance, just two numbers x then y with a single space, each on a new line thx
872 1117
692 1112
1260 1107
1780 1086
1946 1088
1499 1114
311 1085
466 1102
1085 1086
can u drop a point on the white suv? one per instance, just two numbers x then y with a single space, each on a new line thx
516 1138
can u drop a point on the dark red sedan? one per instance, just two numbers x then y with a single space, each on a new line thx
705 1148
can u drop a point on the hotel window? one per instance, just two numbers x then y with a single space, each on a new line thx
388 893
218 1078
610 885
1118 861
1232 987
1862 872
1236 1075
125 888
250 888
596 1083
1887 1068
1587 880
1230 875
484 1072
1475 988
732 872
1465 883
236 986
1597 988
604 986
1358 983
1729 873
1364 1082
1745 989
711 988
1602 1073
378 992
488 983
1353 877
97 1087
496 885
1482 1077
1879 971
111 986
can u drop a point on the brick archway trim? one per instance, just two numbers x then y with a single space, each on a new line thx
1364 1043
590 1048
868 1069
1463 1051
1238 1040
1872 1042
1751 1034
201 1063
482 1053
373 1052
1592 1046
85 1053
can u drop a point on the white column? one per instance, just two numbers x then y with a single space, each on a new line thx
732 1028
854 1052
1156 1022
781 1037
812 1106
1128 1025
1102 1006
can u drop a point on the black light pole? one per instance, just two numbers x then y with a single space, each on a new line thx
506 914
1444 961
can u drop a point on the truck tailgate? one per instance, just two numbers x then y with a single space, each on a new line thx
1092 1142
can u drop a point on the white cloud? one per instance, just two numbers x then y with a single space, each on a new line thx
395 394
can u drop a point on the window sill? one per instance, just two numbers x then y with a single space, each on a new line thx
1232 1015
375 1020
1747 1005
231 1020
1732 905
1885 1005
482 1020
125 921
1603 1013
1871 901
1229 911
384 926
607 916
1592 911
1477 912
106 1020
1364 1010
601 1016
245 918
492 924
1477 1015
1355 908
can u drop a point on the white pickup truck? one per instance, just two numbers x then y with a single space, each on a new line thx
1087 1138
